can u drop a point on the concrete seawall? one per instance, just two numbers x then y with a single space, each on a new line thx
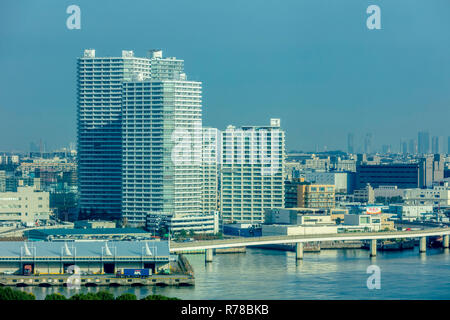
94 281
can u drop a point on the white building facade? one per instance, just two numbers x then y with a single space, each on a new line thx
162 148
436 196
27 205
252 168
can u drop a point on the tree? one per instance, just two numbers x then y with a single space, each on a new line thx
13 294
183 233
158 297
162 231
127 296
338 221
105 295
87 296
55 296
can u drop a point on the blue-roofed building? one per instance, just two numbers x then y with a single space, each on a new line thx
91 257
87 234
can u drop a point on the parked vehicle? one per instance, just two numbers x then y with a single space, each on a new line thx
27 270
8 272
134 273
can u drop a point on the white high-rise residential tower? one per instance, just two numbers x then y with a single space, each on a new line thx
210 161
99 113
99 129
252 168
162 148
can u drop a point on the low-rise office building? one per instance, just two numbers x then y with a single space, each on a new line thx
296 216
242 230
301 194
436 196
94 224
362 222
364 195
201 223
343 181
410 212
300 230
388 192
26 206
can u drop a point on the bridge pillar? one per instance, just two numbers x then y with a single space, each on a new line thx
445 243
299 250
373 247
423 244
208 255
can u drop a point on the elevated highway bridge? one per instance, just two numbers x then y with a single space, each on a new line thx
299 240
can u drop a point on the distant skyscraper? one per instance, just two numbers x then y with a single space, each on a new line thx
436 145
34 147
423 142
252 171
403 147
351 143
412 146
368 143
386 148
448 145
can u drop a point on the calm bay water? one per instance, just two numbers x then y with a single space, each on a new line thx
330 274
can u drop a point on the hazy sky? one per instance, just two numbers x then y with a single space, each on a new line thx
312 63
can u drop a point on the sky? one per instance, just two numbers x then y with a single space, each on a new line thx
312 63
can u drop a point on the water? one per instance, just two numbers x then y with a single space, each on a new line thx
330 274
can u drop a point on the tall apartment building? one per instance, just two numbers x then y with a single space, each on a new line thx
252 167
2 181
101 84
210 161
162 135
100 128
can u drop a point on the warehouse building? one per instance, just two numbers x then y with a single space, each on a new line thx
91 257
